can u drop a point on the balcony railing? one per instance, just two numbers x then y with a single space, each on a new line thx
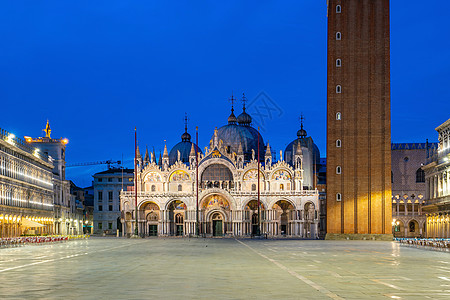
19 143
232 192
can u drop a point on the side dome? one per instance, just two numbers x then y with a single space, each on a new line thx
184 147
311 157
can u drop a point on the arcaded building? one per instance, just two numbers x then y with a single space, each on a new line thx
228 189
26 188
437 180
409 188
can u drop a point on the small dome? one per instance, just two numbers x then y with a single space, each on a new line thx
244 119
232 118
301 133
186 137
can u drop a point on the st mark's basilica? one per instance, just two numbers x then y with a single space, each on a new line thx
228 191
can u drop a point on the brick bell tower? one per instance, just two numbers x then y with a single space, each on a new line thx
358 120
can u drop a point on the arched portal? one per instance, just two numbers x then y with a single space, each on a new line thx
216 212
150 213
284 212
413 229
217 224
177 212
251 216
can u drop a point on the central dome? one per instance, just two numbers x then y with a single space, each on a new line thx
233 135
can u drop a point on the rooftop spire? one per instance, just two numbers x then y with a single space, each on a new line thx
166 153
147 156
268 152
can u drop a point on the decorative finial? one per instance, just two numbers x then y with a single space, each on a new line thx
185 122
47 130
232 99
244 99
301 120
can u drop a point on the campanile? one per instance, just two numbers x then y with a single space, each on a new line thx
358 118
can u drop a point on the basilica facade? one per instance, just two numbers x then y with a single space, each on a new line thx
225 200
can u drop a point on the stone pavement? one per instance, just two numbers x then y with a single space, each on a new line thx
117 268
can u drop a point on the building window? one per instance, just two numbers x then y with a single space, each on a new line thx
338 62
338 89
110 196
338 36
110 179
338 197
180 187
100 207
100 225
338 170
100 196
338 143
253 187
338 9
338 116
110 207
109 225
406 158
153 188
100 179
120 179
281 187
420 175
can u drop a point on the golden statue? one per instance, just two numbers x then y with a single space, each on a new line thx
47 130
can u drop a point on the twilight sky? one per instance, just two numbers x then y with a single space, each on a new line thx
97 69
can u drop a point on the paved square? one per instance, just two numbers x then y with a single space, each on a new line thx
107 268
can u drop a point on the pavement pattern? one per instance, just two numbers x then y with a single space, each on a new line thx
182 268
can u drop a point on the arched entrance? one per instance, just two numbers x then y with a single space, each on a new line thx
283 215
215 210
151 214
251 216
177 211
217 224
413 229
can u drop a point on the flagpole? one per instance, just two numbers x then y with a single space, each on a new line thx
136 232
196 178
259 210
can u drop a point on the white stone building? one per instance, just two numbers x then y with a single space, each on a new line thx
26 188
437 178
227 187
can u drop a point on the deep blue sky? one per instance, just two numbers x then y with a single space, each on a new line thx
97 69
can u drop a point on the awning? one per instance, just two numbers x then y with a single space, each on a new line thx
29 223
